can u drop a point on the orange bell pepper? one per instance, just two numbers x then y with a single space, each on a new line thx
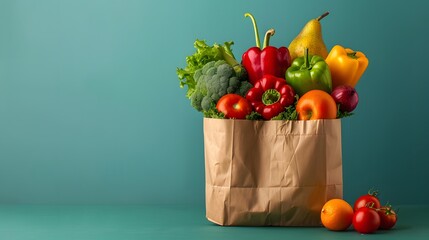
346 65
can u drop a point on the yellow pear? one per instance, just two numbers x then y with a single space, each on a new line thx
310 37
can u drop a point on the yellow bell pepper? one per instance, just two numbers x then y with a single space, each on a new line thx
346 65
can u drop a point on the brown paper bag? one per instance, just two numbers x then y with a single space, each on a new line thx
275 173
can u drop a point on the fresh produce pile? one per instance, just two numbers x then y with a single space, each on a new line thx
301 82
366 216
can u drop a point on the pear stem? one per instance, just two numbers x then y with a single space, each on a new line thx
322 16
255 28
268 34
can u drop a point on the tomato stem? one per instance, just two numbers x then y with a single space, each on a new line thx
373 192
369 205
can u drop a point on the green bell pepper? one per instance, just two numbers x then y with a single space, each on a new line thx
309 72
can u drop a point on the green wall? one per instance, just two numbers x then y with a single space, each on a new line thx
91 110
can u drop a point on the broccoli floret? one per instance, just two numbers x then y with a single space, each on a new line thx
206 103
196 99
244 88
198 73
234 85
201 90
214 80
223 69
210 70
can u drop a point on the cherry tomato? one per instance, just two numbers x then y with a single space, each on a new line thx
366 220
388 217
316 104
234 106
369 200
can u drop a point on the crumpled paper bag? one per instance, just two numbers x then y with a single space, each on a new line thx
271 173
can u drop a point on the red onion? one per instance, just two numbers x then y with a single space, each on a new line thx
346 96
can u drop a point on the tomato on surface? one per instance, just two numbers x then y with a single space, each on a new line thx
388 217
316 104
234 106
366 220
369 200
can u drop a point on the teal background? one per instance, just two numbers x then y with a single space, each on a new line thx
91 110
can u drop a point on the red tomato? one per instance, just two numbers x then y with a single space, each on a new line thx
316 104
234 106
366 220
388 217
370 199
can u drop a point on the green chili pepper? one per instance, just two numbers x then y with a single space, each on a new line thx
309 72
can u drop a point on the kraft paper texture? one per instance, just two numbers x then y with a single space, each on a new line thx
271 173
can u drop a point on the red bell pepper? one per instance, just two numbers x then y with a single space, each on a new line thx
268 60
270 96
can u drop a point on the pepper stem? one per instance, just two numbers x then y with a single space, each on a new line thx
255 28
322 16
352 55
268 34
270 96
306 60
